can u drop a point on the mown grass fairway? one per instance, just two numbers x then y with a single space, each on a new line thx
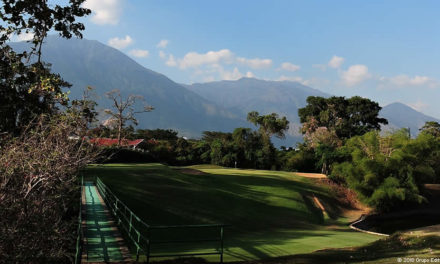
271 213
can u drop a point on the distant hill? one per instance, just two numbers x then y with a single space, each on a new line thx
402 116
90 63
249 94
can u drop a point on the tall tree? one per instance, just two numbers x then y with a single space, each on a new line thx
432 128
347 117
29 89
269 125
124 110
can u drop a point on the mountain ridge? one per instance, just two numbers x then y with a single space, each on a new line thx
191 108
90 63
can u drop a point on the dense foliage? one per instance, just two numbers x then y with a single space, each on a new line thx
27 87
388 172
346 117
38 193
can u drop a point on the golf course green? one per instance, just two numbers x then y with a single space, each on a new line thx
268 213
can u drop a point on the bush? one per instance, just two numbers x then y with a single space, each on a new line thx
39 192
388 172
124 155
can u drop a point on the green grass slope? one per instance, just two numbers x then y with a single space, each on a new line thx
270 213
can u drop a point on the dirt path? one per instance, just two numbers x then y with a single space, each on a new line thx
311 175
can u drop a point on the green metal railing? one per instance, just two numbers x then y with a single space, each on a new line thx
143 236
79 238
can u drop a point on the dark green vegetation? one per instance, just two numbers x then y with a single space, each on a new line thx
270 213
242 148
388 172
346 117
30 89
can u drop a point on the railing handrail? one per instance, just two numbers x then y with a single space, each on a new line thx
79 238
118 206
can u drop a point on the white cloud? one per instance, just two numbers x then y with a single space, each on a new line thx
218 72
162 54
335 62
405 80
355 74
287 66
231 75
255 63
419 105
105 11
194 59
171 62
162 44
250 75
25 36
118 43
139 53
293 79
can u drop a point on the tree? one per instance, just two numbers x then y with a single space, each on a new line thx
39 164
39 190
124 110
269 125
40 17
432 128
347 117
29 89
388 172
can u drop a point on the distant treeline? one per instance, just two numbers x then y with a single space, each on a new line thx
341 139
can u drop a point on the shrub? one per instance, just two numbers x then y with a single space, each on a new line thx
39 192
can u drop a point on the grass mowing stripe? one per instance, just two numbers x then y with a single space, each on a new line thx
271 213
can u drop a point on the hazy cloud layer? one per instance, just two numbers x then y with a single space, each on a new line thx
120 43
287 66
139 53
256 63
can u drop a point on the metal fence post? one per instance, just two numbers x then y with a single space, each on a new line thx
130 225
138 245
221 244
148 245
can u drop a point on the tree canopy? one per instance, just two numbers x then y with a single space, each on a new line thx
27 87
269 125
432 128
347 117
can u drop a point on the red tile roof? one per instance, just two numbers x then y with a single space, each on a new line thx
114 141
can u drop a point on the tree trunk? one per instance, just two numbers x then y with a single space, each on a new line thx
119 132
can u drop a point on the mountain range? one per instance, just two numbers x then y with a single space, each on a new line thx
190 109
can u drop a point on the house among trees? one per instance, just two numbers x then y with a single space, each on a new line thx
108 142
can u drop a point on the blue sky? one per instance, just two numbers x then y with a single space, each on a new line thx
386 50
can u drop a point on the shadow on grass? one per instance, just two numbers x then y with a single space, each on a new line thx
256 207
382 251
